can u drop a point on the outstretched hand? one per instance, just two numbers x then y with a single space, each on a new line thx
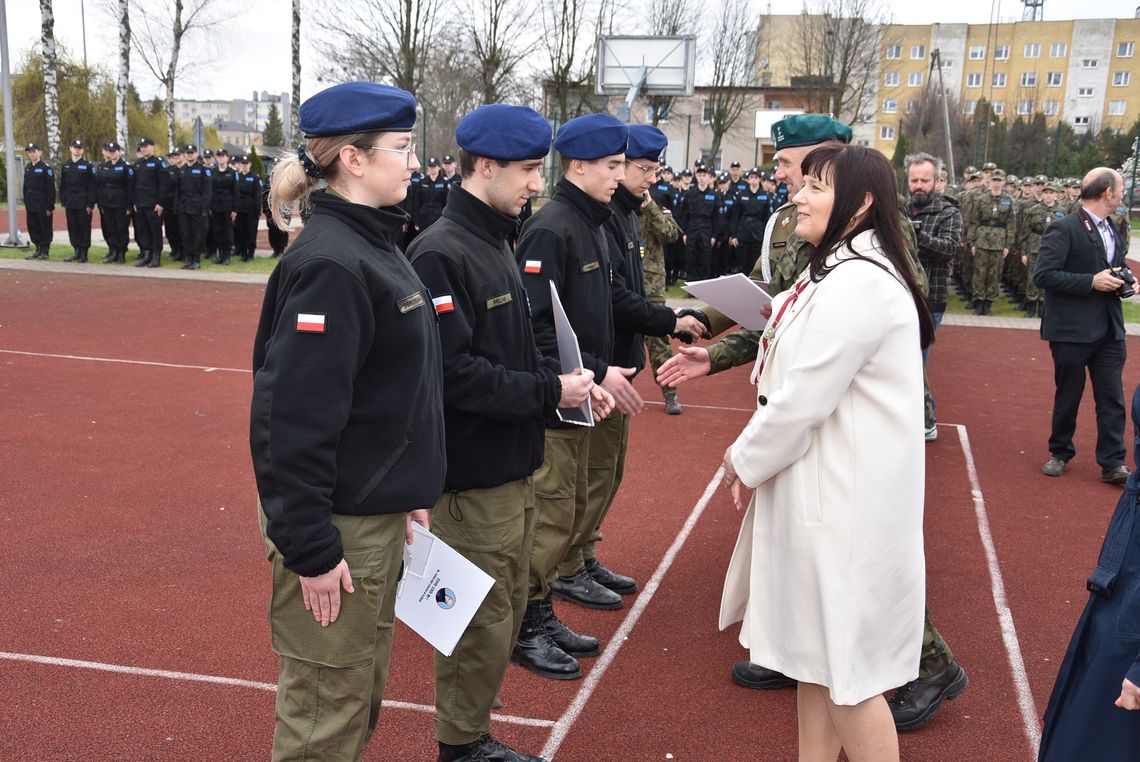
686 364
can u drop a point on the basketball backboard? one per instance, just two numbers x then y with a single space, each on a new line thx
667 64
766 117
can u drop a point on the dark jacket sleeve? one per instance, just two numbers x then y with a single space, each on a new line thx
472 382
1050 273
631 310
310 395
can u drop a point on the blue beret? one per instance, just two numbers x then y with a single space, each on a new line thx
357 107
591 137
507 133
645 142
808 130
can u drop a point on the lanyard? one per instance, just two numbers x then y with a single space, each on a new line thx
770 332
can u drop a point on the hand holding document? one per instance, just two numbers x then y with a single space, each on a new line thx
440 591
737 296
571 358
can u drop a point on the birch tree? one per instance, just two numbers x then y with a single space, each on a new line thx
295 99
51 84
123 84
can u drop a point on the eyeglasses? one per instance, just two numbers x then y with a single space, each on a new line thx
651 171
408 152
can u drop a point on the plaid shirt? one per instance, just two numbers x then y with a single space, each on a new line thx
938 228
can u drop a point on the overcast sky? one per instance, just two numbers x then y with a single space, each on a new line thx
252 52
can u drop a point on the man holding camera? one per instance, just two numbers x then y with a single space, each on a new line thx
1080 267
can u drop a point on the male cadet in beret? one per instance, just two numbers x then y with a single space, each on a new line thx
431 196
192 198
77 197
174 160
582 578
564 243
249 187
223 205
497 393
39 201
702 220
940 675
114 183
152 176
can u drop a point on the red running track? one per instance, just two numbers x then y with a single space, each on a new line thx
130 539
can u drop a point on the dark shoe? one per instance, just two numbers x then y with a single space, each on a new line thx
916 703
672 405
155 259
578 646
584 591
82 256
619 583
1055 466
496 751
175 255
931 434
144 260
536 651
749 675
987 308
74 257
1118 475
1031 310
110 258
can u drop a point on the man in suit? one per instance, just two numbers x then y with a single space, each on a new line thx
1084 324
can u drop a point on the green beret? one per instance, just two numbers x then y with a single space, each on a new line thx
808 130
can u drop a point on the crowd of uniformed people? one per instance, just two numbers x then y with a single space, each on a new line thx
207 205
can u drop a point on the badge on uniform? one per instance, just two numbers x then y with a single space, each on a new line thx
443 304
533 266
310 323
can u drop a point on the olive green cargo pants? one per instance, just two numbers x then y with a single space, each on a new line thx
608 442
560 489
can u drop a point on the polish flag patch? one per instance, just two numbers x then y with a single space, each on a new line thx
443 304
310 323
533 266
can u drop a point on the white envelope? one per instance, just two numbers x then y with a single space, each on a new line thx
440 590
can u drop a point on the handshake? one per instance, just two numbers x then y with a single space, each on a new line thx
691 325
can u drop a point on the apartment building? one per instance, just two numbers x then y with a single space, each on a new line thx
253 112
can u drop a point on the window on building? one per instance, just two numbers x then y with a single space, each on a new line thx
969 107
914 79
947 64
1088 63
1053 79
1116 108
998 107
911 105
891 79
773 104
886 132
1001 52
977 52
1080 121
1085 92
917 52
1058 50
1024 107
890 106
709 109
998 79
1029 79
1051 108
1033 50
973 80
663 114
1121 78
894 52
1125 49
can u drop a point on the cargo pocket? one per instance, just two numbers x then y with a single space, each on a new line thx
386 466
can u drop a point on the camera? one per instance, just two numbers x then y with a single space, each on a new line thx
1128 289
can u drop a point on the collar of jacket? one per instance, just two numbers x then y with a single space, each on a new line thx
624 201
569 193
374 224
464 209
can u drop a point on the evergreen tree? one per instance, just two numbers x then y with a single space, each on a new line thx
273 134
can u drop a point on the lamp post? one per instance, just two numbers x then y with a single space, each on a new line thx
9 141
421 114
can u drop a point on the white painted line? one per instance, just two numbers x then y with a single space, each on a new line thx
1005 616
707 407
590 684
217 680
206 368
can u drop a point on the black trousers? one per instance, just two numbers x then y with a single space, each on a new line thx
1104 360
40 226
698 255
173 234
747 255
79 227
221 233
278 238
245 231
148 229
192 232
116 231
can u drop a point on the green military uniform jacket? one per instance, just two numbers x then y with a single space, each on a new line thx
993 223
1039 217
657 229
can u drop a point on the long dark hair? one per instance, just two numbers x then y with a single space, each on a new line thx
854 171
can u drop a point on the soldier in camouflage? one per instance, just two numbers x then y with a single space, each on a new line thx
990 235
658 228
1039 217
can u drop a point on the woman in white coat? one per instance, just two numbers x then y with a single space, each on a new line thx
832 538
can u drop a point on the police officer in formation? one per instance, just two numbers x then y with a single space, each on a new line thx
152 180
39 201
753 208
77 197
724 251
193 196
114 187
431 196
249 191
223 205
703 222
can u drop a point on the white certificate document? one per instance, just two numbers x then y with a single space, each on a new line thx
571 358
440 591
737 296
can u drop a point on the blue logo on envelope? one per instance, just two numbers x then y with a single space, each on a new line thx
445 597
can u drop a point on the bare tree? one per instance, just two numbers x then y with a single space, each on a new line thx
837 45
295 100
567 72
496 32
381 40
159 43
669 18
450 90
123 84
51 84
733 67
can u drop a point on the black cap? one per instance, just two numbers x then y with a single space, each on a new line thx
145 142
32 147
243 159
223 152
433 162
77 143
734 164
207 153
667 168
190 148
111 145
723 178
686 173
702 168
175 152
755 171
448 159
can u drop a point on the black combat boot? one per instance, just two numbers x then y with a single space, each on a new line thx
1030 309
155 259
110 258
536 650
987 307
74 257
619 583
176 255
569 641
144 258
82 255
224 256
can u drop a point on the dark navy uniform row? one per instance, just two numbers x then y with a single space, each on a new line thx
39 202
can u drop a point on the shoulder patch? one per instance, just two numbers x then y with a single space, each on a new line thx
311 322
442 304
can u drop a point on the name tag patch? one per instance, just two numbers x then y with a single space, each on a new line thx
311 322
411 302
591 266
779 244
499 301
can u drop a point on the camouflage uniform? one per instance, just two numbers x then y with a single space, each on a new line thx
965 262
1039 217
991 230
1119 220
1016 271
658 229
